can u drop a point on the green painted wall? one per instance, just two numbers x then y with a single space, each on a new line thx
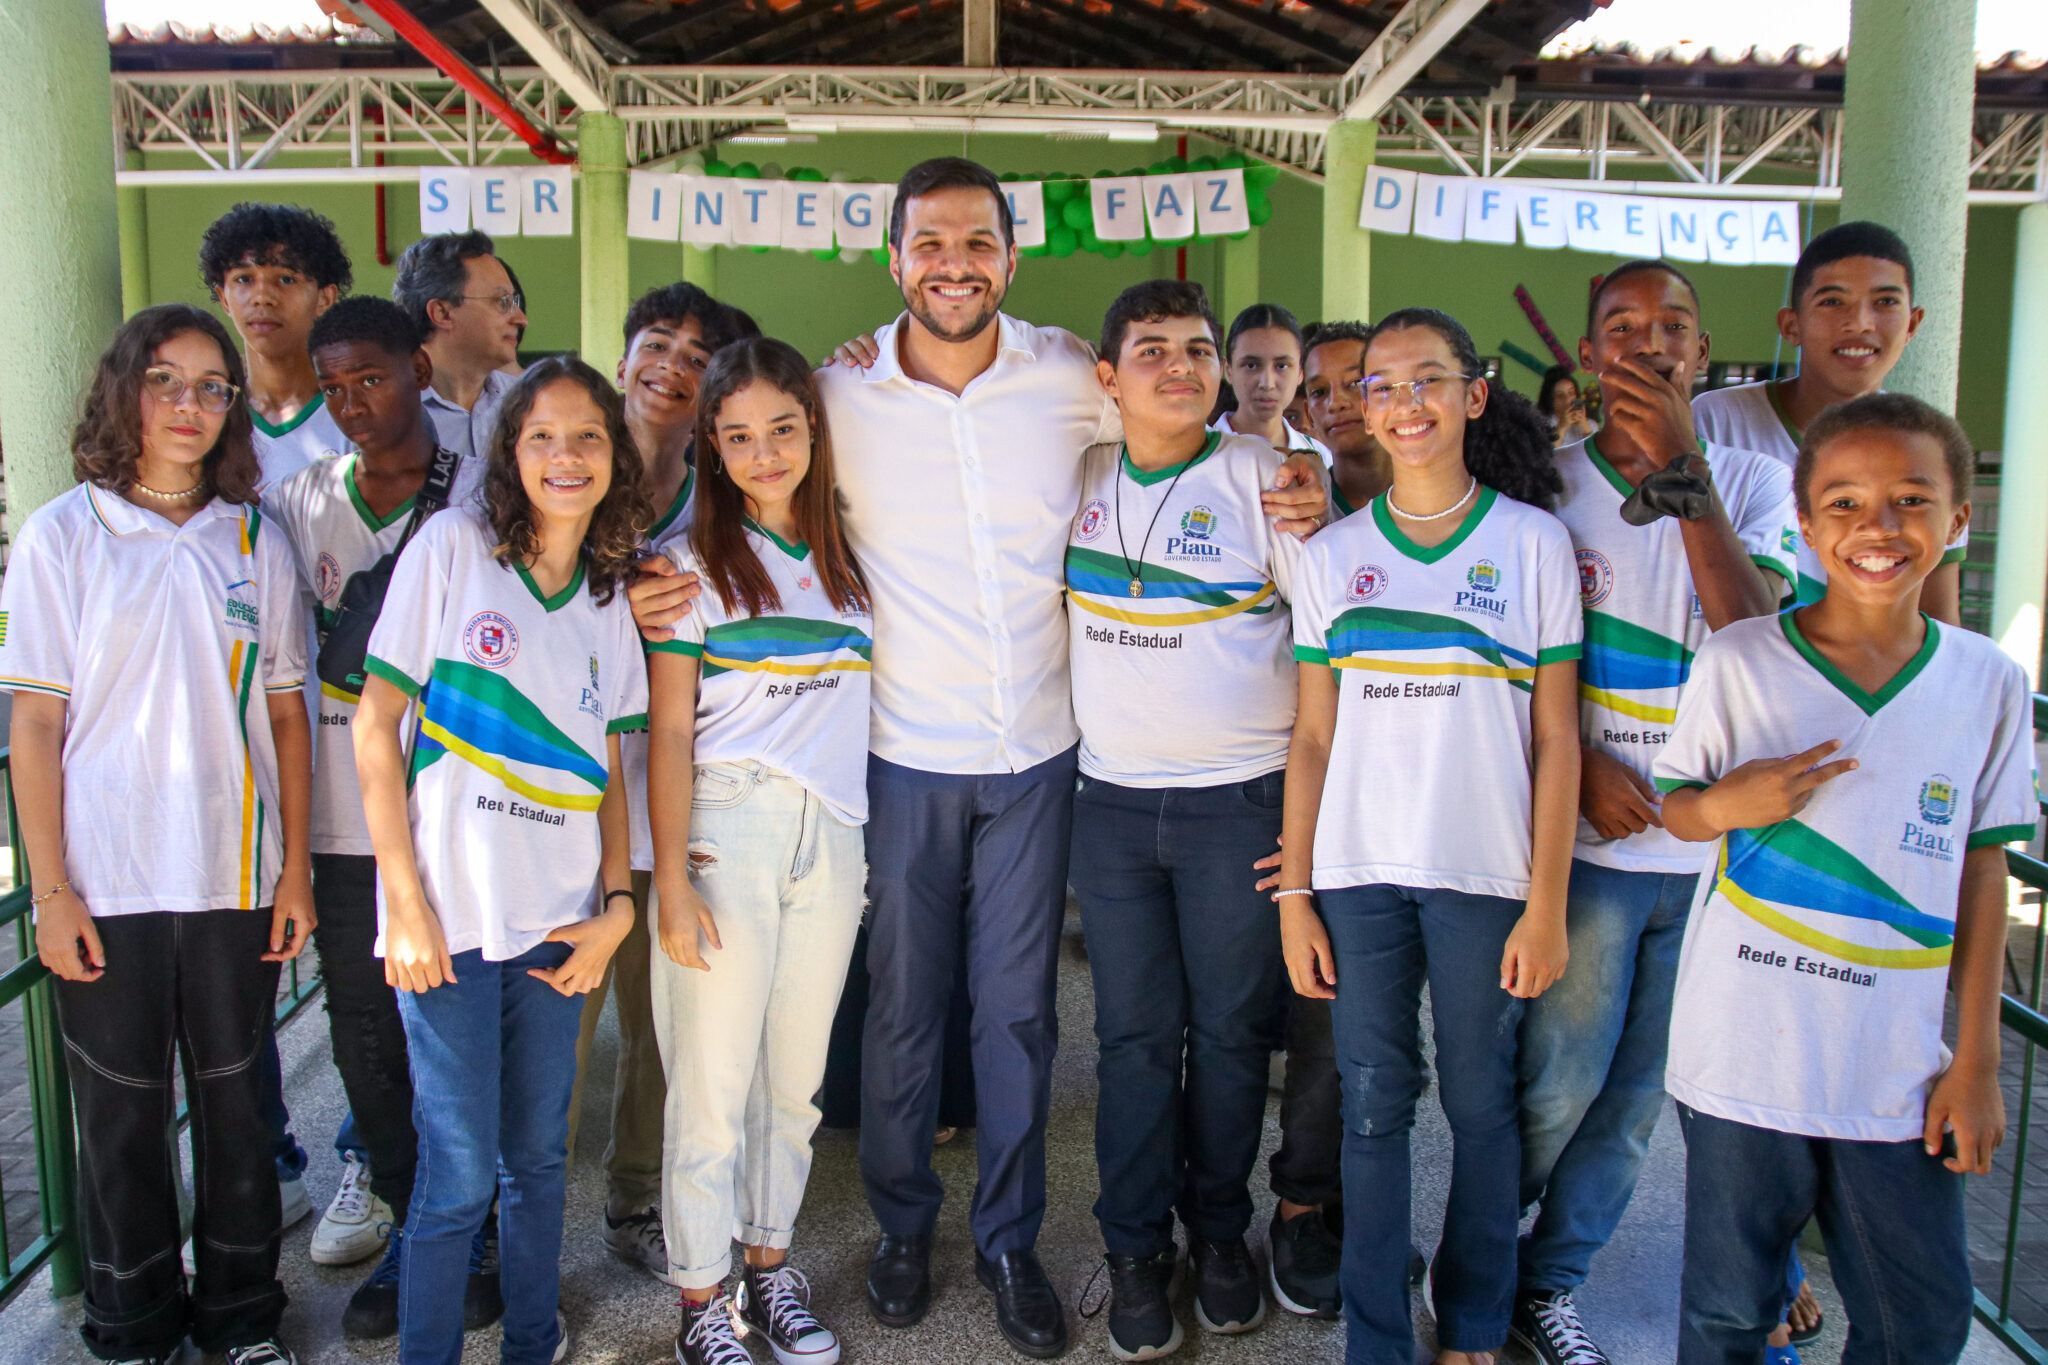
815 304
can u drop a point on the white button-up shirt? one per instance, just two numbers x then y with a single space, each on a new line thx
467 431
958 507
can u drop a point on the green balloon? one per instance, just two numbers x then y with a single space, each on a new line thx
1261 175
1089 241
1061 240
721 169
1202 163
1236 161
1103 175
747 170
1143 248
760 251
881 255
1111 250
1261 211
1058 192
1078 214
811 173
826 253
1240 236
1175 164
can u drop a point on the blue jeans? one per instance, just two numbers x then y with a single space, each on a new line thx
285 1152
974 862
1592 1065
1892 1217
1185 954
493 1059
1387 940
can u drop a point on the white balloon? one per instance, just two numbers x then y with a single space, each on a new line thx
840 177
853 255
772 170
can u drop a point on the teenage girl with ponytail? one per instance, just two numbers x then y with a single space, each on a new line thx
1262 354
1432 796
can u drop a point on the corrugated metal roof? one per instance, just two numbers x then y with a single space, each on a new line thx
1799 57
226 35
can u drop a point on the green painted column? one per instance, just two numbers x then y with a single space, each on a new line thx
1347 248
134 240
60 254
1240 275
1911 87
700 267
2021 582
601 239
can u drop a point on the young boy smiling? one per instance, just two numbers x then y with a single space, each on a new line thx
1858 816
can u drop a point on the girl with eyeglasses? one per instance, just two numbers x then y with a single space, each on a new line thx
152 635
1432 798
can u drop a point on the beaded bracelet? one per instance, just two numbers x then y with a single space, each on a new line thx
47 895
1293 891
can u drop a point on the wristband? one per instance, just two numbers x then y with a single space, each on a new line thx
611 896
1293 891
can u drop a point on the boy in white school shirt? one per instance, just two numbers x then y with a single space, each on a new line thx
1855 814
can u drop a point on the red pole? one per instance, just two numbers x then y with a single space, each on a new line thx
1180 254
451 65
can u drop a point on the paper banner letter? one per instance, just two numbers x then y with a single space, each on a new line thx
1221 209
1593 223
1728 235
1639 229
706 210
1542 214
654 206
1490 212
1388 204
444 199
1440 207
1119 208
548 194
1170 207
494 199
1683 224
1776 230
862 215
756 212
806 215
1027 211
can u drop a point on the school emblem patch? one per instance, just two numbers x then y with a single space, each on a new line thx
1094 517
1367 582
1596 577
1938 800
590 702
1483 576
490 640
326 577
1197 523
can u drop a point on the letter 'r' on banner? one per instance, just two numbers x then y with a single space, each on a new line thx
1027 211
756 207
1119 204
1728 235
1774 227
705 208
1388 204
654 206
861 215
1440 206
1170 207
1683 225
807 210
547 199
1542 214
494 200
444 199
1221 208
1490 213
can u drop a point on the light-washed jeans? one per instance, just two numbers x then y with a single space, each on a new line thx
744 1044
1592 1065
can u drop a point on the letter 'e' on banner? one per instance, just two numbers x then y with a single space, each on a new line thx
1221 208
1775 230
861 215
654 206
494 199
807 207
1027 211
1490 212
548 201
1119 203
1543 214
1684 224
1388 204
444 199
706 210
1728 234
1440 207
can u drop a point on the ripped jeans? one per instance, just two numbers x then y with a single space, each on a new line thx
1388 940
743 1044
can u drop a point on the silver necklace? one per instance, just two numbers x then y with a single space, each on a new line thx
1470 488
185 495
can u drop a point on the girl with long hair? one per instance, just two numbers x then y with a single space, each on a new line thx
1437 633
1262 357
757 783
498 815
152 635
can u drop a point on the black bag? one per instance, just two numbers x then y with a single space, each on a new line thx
346 644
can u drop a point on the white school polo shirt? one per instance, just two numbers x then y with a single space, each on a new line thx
467 431
1816 961
1192 682
165 641
1295 440
1643 618
515 695
334 536
957 506
788 689
633 743
283 450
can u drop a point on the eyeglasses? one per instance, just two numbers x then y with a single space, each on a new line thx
508 304
1382 393
170 387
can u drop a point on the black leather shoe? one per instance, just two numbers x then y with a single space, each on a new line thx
1027 1309
900 1280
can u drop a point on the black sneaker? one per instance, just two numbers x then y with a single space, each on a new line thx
482 1303
272 1352
1302 1257
708 1337
1548 1324
1141 1321
1228 1298
372 1312
776 1302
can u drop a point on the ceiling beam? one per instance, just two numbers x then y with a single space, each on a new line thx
1297 36
679 16
1421 30
1153 18
1085 34
980 32
726 43
552 34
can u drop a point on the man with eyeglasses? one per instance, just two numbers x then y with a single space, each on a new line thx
464 301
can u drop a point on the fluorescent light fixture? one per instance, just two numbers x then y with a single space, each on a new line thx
833 121
770 139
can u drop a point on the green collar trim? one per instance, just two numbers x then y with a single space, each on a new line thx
1148 477
1784 417
1339 501
796 551
560 599
1869 703
674 509
355 497
303 416
1612 475
1430 554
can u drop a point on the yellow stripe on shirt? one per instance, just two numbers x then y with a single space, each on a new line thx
1813 938
1467 670
1600 696
1178 618
797 670
497 768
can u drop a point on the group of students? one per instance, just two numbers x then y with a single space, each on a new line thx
519 688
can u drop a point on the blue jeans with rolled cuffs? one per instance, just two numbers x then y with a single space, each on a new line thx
493 1059
1387 941
1185 955
1592 1065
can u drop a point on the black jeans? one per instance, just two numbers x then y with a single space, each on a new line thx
192 987
1304 1168
362 1018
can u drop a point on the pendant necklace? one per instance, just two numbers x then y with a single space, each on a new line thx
1137 571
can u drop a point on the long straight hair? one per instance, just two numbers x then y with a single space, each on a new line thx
718 533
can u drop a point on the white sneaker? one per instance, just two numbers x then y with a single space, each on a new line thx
561 1339
291 1194
185 1259
356 1222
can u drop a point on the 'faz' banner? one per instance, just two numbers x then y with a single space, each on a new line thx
1459 208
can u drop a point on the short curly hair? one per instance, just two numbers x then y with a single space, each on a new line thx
366 318
277 235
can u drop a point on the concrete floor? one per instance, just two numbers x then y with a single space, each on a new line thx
621 1317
